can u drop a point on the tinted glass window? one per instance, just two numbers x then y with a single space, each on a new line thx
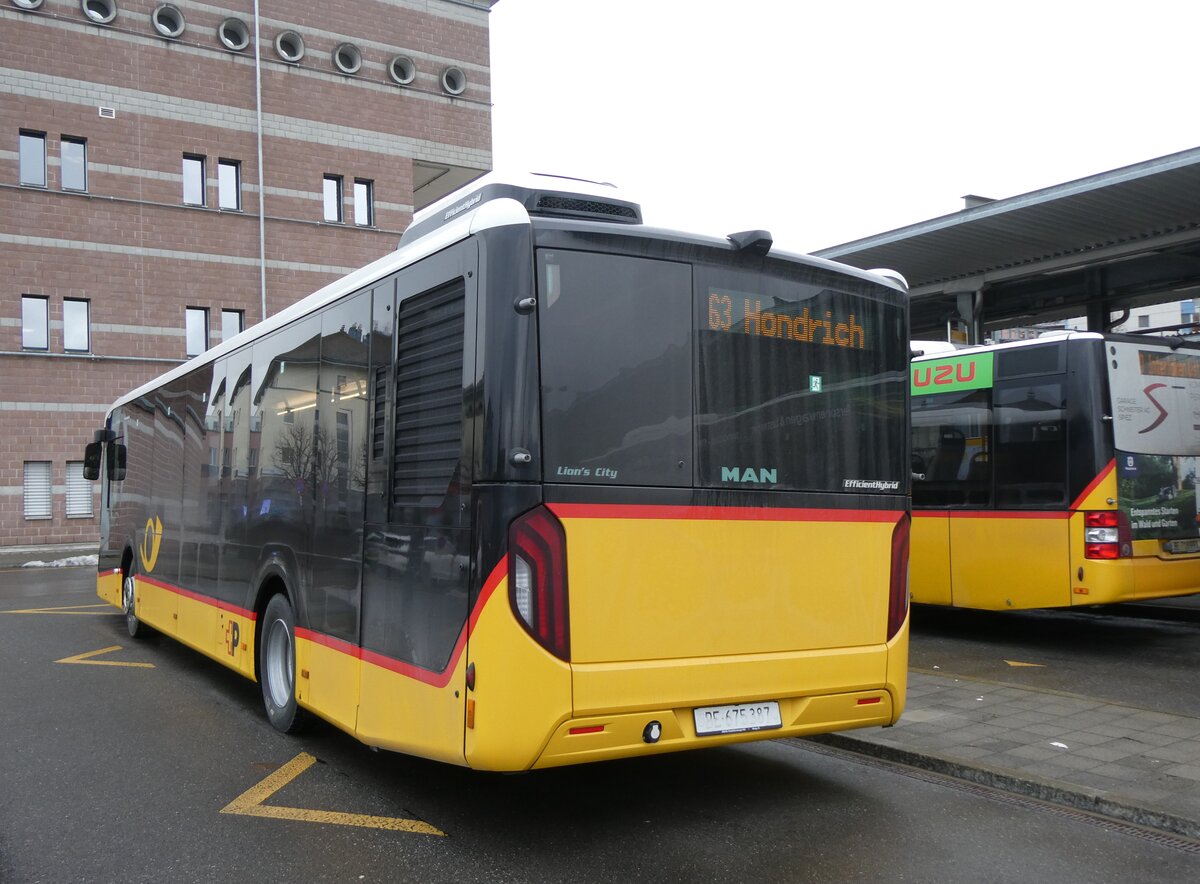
801 382
951 456
616 369
1031 444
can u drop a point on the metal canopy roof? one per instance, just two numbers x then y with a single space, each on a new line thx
1121 238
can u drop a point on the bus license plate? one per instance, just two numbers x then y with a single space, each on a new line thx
737 718
1190 545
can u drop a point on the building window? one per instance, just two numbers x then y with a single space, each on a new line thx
193 180
333 197
100 11
168 20
74 163
229 184
231 323
197 330
35 325
39 500
33 158
234 34
77 334
79 492
290 46
364 202
1144 321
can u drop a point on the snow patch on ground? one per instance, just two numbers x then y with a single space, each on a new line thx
70 562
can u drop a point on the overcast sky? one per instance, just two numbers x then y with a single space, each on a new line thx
827 122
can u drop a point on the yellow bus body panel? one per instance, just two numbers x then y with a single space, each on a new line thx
1000 562
405 714
108 587
156 605
727 587
929 559
522 693
839 705
212 631
1151 573
327 681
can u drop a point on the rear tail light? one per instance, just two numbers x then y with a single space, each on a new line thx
898 587
1106 535
537 579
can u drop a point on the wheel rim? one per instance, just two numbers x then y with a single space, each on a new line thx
280 663
128 595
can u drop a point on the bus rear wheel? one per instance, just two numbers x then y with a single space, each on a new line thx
129 606
277 666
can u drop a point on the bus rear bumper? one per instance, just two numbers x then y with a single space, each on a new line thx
1139 579
604 737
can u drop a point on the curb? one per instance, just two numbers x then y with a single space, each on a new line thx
1032 787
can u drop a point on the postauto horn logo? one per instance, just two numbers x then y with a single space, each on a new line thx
151 541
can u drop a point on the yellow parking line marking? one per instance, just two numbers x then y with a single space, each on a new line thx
69 609
250 803
1017 663
85 659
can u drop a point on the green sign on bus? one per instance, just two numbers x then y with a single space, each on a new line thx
953 373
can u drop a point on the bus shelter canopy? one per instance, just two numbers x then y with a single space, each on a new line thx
1093 247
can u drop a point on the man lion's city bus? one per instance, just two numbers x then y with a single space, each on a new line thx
1056 472
543 486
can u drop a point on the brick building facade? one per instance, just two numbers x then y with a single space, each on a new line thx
133 228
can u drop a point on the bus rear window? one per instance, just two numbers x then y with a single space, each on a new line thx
664 373
800 382
615 340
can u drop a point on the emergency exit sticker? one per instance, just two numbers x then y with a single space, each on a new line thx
814 383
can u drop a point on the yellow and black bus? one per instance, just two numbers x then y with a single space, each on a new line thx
1056 472
546 485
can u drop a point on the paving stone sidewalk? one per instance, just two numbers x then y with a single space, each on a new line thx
1127 762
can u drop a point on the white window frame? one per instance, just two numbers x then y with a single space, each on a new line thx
33 327
229 185
192 162
81 143
38 490
332 195
33 168
238 320
191 333
70 334
79 492
364 202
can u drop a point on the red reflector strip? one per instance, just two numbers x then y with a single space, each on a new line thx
590 729
870 701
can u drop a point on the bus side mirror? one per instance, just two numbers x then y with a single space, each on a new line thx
116 462
91 461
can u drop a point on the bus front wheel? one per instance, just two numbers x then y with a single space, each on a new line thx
129 606
277 666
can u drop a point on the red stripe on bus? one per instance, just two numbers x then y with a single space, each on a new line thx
328 641
1104 473
197 597
719 513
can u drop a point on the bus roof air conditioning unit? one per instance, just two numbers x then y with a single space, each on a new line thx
541 195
